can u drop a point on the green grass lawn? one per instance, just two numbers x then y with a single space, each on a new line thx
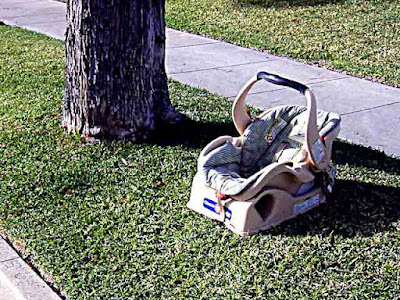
108 220
358 36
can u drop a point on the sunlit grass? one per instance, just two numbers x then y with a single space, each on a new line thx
108 220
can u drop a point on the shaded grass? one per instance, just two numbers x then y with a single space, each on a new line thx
108 220
360 37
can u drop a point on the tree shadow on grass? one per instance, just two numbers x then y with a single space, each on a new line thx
355 207
192 134
284 3
346 153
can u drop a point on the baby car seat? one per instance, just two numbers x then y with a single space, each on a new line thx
277 168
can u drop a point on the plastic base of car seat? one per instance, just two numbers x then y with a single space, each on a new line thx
268 209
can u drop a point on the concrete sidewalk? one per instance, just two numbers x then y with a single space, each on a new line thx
370 111
18 281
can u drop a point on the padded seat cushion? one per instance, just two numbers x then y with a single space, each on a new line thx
277 137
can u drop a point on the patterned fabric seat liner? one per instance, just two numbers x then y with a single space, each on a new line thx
277 137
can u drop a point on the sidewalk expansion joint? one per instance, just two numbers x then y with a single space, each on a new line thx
31 15
195 45
284 88
10 259
369 108
42 23
221 67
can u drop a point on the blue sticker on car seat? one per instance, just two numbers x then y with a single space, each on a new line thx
214 207
305 205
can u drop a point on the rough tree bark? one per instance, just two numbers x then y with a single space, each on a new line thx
116 84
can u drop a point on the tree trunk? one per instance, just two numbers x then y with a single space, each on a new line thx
116 84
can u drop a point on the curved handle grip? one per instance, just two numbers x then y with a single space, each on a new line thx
313 144
275 79
240 117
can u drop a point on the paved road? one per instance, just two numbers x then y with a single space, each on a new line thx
370 111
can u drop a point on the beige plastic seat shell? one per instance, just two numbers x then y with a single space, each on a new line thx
274 197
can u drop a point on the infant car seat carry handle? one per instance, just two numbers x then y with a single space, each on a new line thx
313 143
275 79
